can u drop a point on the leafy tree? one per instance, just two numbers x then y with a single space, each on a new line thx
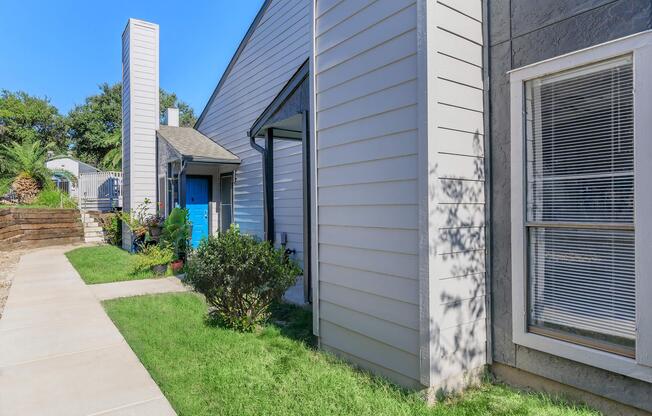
95 127
26 117
169 100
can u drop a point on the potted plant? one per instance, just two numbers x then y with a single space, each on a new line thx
154 224
176 233
135 221
155 258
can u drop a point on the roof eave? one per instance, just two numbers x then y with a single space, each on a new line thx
200 159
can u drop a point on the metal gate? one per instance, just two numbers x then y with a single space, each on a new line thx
100 191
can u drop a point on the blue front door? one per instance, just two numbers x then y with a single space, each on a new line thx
197 196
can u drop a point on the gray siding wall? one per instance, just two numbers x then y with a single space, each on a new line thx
140 113
456 186
524 32
276 49
288 194
365 81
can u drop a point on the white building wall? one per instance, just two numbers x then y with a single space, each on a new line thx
365 81
140 113
400 186
278 46
455 191
66 164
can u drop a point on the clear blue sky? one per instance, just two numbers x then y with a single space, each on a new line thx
63 49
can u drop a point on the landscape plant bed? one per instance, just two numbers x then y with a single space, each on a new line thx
205 369
105 264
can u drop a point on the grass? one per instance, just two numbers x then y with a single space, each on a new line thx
54 198
104 264
204 369
5 183
47 198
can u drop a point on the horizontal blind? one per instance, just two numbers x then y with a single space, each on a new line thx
580 202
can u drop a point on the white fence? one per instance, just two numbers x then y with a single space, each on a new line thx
100 191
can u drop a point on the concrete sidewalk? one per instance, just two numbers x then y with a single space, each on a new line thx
60 354
128 288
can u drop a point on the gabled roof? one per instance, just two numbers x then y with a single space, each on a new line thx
234 59
194 146
287 97
58 157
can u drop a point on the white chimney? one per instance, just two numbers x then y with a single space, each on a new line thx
140 115
172 117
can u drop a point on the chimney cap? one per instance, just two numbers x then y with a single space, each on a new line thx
172 117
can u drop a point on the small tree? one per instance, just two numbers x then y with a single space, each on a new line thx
240 276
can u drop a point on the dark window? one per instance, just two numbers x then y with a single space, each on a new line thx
580 205
226 201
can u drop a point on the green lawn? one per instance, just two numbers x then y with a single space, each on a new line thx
204 369
104 264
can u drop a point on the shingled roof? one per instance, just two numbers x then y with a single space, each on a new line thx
194 146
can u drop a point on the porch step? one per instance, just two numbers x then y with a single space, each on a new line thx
98 240
92 230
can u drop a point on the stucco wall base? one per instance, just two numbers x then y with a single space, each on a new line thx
524 380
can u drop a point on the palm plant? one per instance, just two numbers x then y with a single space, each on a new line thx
113 158
25 163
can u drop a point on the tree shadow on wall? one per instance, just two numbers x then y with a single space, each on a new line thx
458 244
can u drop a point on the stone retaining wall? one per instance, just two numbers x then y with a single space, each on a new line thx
36 227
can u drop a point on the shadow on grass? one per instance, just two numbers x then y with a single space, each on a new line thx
291 321
294 322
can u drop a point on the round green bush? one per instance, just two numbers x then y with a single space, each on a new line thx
241 277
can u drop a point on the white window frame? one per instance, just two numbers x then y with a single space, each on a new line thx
640 47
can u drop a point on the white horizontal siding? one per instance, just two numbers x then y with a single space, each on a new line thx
140 112
457 218
366 121
278 46
126 120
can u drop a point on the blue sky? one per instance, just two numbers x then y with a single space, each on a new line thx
63 49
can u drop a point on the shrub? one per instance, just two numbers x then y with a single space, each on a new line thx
135 219
176 232
5 185
112 228
240 276
54 198
152 255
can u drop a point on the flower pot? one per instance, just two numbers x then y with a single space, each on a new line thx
160 269
177 265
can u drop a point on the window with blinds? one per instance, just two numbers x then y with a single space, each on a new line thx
580 206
